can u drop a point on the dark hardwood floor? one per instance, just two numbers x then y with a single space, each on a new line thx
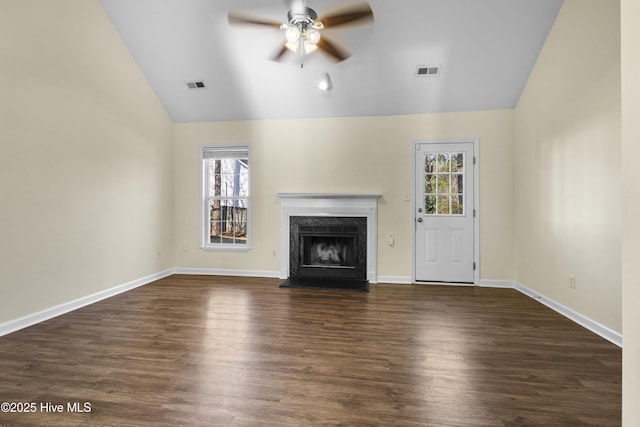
223 351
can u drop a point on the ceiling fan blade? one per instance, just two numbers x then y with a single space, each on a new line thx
243 19
280 54
357 13
333 49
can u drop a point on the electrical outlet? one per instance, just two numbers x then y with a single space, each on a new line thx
572 281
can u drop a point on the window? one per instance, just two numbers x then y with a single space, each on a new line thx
444 184
226 215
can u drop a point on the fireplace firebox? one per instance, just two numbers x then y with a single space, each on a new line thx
328 251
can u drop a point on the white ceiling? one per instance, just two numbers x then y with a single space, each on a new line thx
485 50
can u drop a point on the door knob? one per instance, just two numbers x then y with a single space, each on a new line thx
419 219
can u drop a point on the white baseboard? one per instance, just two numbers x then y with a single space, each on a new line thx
49 313
224 272
450 284
492 283
590 324
401 280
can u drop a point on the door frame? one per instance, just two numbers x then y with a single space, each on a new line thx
476 202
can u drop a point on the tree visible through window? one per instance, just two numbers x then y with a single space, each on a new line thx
444 184
226 196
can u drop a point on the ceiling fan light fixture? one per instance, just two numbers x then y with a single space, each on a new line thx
308 47
292 34
292 46
313 36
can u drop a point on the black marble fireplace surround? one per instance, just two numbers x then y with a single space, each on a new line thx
328 252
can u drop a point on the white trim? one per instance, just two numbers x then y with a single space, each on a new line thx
401 280
225 272
476 199
493 283
226 248
320 196
51 312
452 284
590 324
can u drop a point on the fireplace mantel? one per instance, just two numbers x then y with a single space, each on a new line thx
330 204
327 196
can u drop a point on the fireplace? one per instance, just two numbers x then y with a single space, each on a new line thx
328 248
329 238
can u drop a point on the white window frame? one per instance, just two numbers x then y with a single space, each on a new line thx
205 220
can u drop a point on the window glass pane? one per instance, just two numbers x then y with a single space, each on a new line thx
444 162
215 235
240 232
430 204
244 172
443 205
226 185
457 205
430 163
214 210
429 184
457 183
457 162
443 184
214 182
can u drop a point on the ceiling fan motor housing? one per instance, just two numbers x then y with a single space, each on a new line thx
303 18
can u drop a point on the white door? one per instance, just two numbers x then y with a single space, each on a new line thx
444 212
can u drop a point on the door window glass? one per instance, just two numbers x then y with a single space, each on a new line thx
444 183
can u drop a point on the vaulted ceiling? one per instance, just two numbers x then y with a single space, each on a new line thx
484 50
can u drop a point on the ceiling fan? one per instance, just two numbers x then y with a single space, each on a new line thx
302 30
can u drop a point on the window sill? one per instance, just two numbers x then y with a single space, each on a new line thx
225 248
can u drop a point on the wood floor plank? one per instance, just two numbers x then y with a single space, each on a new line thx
228 351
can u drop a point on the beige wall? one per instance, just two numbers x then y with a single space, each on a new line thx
567 195
87 169
85 159
630 10
345 155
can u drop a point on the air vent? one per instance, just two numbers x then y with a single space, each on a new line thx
196 85
427 70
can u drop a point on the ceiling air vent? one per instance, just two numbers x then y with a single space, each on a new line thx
427 70
196 85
